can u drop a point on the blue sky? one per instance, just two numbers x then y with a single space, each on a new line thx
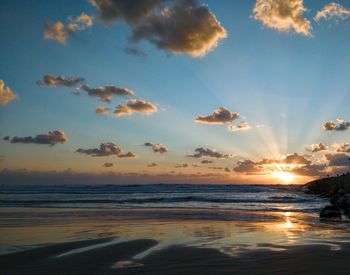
284 84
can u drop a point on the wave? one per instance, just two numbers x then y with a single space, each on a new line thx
276 199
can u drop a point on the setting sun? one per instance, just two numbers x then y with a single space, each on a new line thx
286 177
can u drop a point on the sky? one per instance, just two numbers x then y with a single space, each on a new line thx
150 91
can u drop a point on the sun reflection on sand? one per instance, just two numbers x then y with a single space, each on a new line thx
263 231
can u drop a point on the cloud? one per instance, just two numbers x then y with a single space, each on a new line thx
127 155
332 11
206 161
184 165
239 127
338 125
6 94
134 51
153 164
207 152
50 138
338 159
317 147
105 93
183 27
106 149
283 15
125 10
156 147
219 116
135 105
101 110
60 81
61 33
227 169
108 165
343 148
293 163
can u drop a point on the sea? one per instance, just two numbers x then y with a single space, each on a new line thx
274 198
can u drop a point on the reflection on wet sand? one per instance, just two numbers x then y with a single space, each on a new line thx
223 231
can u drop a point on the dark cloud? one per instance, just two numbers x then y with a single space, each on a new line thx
338 159
130 11
219 116
338 125
153 164
206 161
61 32
135 105
108 165
51 138
106 149
317 147
60 81
216 167
342 148
247 166
178 26
184 165
227 169
6 94
26 177
156 147
207 152
293 163
295 159
127 155
106 93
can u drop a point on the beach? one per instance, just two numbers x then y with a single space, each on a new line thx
160 229
169 241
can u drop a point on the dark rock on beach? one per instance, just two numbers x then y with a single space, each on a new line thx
337 189
330 212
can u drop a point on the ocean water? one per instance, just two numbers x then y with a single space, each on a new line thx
230 218
234 197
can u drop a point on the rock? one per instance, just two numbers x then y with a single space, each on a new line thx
347 212
330 212
343 201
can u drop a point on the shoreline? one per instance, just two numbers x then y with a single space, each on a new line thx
119 258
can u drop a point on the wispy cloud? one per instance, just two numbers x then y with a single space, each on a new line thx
332 11
105 93
207 152
239 127
60 81
61 32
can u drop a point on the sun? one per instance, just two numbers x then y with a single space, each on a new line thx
286 177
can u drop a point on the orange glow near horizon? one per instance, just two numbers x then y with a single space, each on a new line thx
285 177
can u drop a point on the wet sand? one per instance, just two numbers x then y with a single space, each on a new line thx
313 259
